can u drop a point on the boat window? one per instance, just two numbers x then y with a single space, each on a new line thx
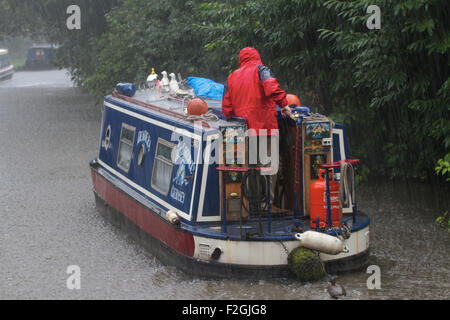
162 168
126 147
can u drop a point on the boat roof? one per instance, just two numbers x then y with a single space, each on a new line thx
43 46
3 51
174 108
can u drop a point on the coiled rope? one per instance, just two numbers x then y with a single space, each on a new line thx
208 116
347 185
346 192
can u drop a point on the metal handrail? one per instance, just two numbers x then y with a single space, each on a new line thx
223 169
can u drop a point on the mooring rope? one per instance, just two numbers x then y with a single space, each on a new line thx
346 191
347 185
209 116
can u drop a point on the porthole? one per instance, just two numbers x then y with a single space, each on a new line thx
107 137
141 155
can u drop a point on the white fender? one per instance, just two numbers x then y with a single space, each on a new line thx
173 217
321 242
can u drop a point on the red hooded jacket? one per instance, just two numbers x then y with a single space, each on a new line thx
252 92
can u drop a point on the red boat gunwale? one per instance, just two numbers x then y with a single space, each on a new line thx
150 222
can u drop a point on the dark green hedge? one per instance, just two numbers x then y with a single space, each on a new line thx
390 87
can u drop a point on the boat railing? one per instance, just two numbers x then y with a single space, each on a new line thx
327 166
248 171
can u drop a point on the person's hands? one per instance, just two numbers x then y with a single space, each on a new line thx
286 111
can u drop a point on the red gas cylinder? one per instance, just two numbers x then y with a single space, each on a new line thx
318 201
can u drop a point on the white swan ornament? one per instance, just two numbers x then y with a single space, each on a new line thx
174 87
165 79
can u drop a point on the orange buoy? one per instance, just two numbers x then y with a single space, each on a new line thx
293 99
197 107
318 201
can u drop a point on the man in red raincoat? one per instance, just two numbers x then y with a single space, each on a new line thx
252 92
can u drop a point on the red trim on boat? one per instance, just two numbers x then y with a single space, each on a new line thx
243 169
337 164
144 218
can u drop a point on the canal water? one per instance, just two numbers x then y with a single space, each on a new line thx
48 220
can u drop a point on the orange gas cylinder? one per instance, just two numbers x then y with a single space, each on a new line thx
197 107
318 201
293 99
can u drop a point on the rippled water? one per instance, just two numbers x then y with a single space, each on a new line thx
48 134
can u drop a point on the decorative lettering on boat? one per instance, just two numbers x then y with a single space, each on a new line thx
144 137
177 195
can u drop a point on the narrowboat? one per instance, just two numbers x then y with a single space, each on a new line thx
6 69
182 184
40 57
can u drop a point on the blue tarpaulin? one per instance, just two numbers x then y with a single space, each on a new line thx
206 88
127 89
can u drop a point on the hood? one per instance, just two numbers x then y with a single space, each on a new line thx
247 55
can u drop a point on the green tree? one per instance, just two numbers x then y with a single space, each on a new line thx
402 70
45 20
389 87
151 34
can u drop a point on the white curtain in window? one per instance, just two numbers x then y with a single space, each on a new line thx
162 176
125 153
